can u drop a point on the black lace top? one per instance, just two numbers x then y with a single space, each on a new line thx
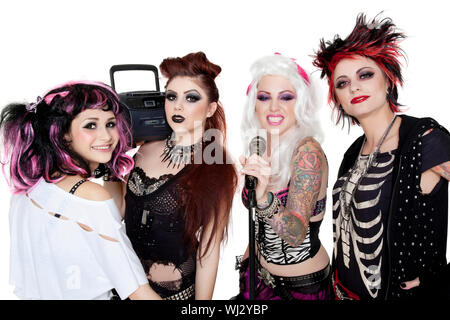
155 225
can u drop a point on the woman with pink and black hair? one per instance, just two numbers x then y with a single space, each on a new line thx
67 239
390 199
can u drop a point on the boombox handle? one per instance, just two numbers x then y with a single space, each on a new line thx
128 67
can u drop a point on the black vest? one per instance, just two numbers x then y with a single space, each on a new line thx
417 223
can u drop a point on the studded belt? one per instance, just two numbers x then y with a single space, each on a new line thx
341 292
183 295
293 282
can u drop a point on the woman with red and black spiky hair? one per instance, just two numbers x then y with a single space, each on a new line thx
390 199
378 41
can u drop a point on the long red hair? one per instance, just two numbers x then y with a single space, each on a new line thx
209 188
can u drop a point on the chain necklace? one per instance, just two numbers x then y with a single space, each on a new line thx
346 204
176 155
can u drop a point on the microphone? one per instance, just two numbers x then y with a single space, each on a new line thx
256 146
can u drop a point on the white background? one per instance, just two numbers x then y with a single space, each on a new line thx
45 43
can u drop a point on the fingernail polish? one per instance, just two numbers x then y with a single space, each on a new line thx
403 285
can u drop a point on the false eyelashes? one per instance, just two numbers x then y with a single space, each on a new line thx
284 97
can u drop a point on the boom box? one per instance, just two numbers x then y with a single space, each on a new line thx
145 108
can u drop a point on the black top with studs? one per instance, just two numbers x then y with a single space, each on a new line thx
416 235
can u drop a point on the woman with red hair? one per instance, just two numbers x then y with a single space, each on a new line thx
179 195
390 200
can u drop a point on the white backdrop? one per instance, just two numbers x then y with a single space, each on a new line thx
45 43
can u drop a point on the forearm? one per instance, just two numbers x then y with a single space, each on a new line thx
290 227
206 273
443 170
144 292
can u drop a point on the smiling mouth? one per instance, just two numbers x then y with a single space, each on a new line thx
178 119
359 99
106 147
274 120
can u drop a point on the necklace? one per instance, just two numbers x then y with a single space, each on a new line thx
176 155
345 202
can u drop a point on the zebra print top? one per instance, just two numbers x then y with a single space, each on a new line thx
276 250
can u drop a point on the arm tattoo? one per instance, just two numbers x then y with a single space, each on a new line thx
291 223
443 170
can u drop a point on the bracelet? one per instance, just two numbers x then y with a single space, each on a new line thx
268 212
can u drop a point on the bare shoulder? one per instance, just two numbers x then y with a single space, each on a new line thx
93 191
151 146
151 149
308 146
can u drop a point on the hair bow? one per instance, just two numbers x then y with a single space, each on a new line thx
31 107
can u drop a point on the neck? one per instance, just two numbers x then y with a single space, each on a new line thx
375 125
274 140
187 139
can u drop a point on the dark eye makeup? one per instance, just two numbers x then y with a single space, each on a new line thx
263 96
111 124
93 125
193 97
286 97
341 84
171 96
366 74
90 125
363 74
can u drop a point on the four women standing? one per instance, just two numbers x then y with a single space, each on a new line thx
389 202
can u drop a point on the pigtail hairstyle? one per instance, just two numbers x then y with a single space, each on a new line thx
209 188
378 40
33 135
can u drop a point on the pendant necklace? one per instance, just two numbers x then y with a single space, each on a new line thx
344 203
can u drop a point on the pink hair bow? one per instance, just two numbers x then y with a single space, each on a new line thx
300 71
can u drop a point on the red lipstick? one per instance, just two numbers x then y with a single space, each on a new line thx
359 99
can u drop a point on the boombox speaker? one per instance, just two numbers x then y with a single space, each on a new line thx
145 108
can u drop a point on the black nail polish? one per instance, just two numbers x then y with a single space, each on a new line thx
403 285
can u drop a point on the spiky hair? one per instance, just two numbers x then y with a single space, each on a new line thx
378 40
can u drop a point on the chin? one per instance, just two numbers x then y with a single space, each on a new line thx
178 127
103 159
275 130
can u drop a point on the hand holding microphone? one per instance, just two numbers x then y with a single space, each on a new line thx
257 170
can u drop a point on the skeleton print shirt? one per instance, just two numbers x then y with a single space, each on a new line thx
359 235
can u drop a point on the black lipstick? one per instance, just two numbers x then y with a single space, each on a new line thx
177 118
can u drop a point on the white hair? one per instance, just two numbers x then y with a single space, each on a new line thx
305 110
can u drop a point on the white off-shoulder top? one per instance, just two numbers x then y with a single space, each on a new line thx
67 247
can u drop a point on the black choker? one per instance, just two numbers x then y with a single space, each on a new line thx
179 154
102 171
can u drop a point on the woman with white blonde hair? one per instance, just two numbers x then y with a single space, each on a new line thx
292 181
